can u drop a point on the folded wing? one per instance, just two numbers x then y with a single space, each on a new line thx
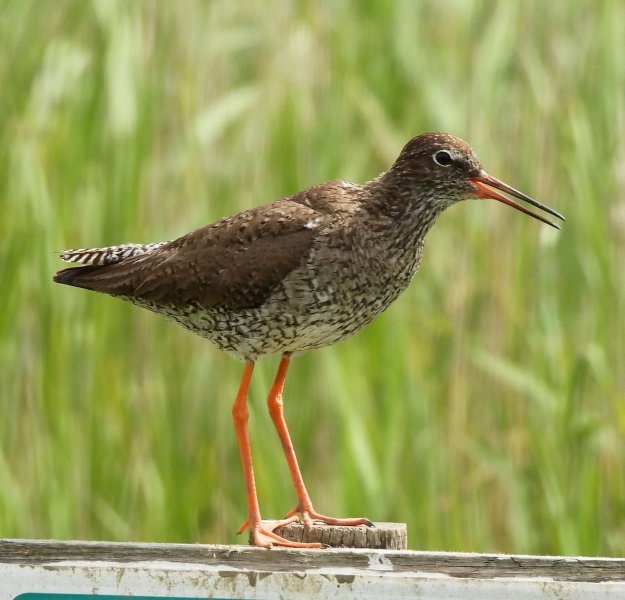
233 263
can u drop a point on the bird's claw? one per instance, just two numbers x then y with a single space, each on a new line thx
309 516
263 534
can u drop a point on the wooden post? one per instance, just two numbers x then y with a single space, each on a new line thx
383 536
52 570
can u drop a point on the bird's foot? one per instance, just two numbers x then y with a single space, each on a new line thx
310 515
263 533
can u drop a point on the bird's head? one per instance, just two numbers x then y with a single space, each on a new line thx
443 169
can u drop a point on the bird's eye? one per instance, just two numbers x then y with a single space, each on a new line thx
443 158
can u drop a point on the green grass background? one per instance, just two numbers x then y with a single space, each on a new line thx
486 408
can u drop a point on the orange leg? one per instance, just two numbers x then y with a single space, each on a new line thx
304 505
262 533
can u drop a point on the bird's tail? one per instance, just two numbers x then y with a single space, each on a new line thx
95 273
109 255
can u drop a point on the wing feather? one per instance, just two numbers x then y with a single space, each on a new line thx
233 263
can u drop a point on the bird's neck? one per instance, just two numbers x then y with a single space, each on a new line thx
405 204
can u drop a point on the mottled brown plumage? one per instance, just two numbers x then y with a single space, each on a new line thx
299 273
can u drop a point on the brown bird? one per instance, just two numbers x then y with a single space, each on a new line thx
299 273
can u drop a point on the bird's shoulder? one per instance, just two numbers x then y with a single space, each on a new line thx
336 197
299 215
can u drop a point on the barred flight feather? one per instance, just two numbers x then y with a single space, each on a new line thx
109 255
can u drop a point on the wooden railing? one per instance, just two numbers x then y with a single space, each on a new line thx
48 570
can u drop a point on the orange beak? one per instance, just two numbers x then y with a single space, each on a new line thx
484 185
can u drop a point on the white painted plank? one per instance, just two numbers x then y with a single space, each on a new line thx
202 571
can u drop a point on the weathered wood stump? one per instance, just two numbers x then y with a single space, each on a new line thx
382 536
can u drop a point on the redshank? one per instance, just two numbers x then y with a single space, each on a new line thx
299 273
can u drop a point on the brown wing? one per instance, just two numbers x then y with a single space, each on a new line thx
235 263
